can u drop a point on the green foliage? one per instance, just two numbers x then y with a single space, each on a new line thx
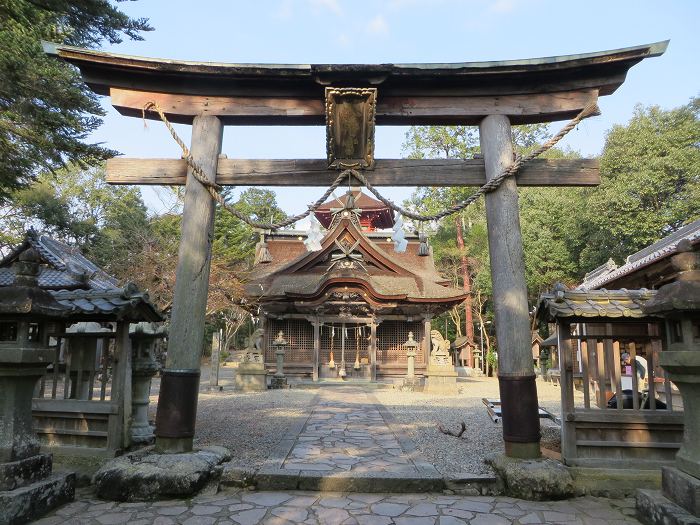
108 223
234 240
46 112
650 172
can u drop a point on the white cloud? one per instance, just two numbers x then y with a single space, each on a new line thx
378 26
343 40
502 6
284 10
330 5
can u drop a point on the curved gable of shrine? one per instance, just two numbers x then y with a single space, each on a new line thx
350 268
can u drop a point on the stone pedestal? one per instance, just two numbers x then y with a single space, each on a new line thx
441 380
441 376
251 377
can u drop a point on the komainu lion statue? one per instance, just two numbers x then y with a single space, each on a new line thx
254 350
439 353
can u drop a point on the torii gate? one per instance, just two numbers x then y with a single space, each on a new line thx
493 95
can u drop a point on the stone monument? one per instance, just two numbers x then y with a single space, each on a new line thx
441 376
143 367
28 488
251 375
679 304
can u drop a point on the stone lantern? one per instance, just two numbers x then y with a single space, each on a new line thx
679 305
410 382
143 367
278 380
28 489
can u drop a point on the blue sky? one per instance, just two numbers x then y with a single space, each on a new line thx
345 31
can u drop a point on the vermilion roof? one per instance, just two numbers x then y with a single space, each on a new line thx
373 209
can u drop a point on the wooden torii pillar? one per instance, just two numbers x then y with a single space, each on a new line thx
493 95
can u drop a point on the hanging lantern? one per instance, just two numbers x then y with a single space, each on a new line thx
262 254
423 248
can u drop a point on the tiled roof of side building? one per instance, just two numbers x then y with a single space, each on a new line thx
79 284
591 304
659 250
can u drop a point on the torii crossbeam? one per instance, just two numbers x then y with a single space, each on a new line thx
493 95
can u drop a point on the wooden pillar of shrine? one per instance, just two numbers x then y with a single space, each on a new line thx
426 343
317 348
373 350
177 401
516 377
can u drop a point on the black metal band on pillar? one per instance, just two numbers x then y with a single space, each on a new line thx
177 403
519 408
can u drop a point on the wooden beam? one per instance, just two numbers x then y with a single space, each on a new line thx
387 172
396 110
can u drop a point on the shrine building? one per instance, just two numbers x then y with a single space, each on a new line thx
346 309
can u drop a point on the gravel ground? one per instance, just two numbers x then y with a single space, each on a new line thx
250 424
419 414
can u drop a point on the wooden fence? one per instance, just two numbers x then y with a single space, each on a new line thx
631 416
82 405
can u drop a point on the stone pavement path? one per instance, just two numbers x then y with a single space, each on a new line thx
287 508
347 432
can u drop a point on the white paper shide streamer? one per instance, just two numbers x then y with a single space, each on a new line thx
399 236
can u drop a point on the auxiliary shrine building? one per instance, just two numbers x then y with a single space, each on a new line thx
346 309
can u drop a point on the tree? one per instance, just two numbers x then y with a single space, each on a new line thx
650 171
46 112
108 223
460 244
234 240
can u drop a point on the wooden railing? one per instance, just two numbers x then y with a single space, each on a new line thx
629 416
81 404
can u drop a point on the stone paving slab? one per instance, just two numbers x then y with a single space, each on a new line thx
346 432
237 507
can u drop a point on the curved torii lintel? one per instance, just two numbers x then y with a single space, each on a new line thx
527 91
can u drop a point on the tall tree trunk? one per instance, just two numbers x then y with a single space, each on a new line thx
466 280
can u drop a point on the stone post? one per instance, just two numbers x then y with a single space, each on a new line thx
215 361
177 402
144 367
28 489
679 304
516 377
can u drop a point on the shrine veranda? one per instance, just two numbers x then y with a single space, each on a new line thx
350 99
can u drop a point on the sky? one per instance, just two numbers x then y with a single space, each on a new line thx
364 31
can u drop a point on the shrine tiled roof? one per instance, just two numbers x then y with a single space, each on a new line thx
593 304
65 266
79 284
653 253
413 278
117 304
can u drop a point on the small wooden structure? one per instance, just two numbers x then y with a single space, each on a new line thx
83 404
615 427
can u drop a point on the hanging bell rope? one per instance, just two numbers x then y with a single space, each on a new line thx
493 184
